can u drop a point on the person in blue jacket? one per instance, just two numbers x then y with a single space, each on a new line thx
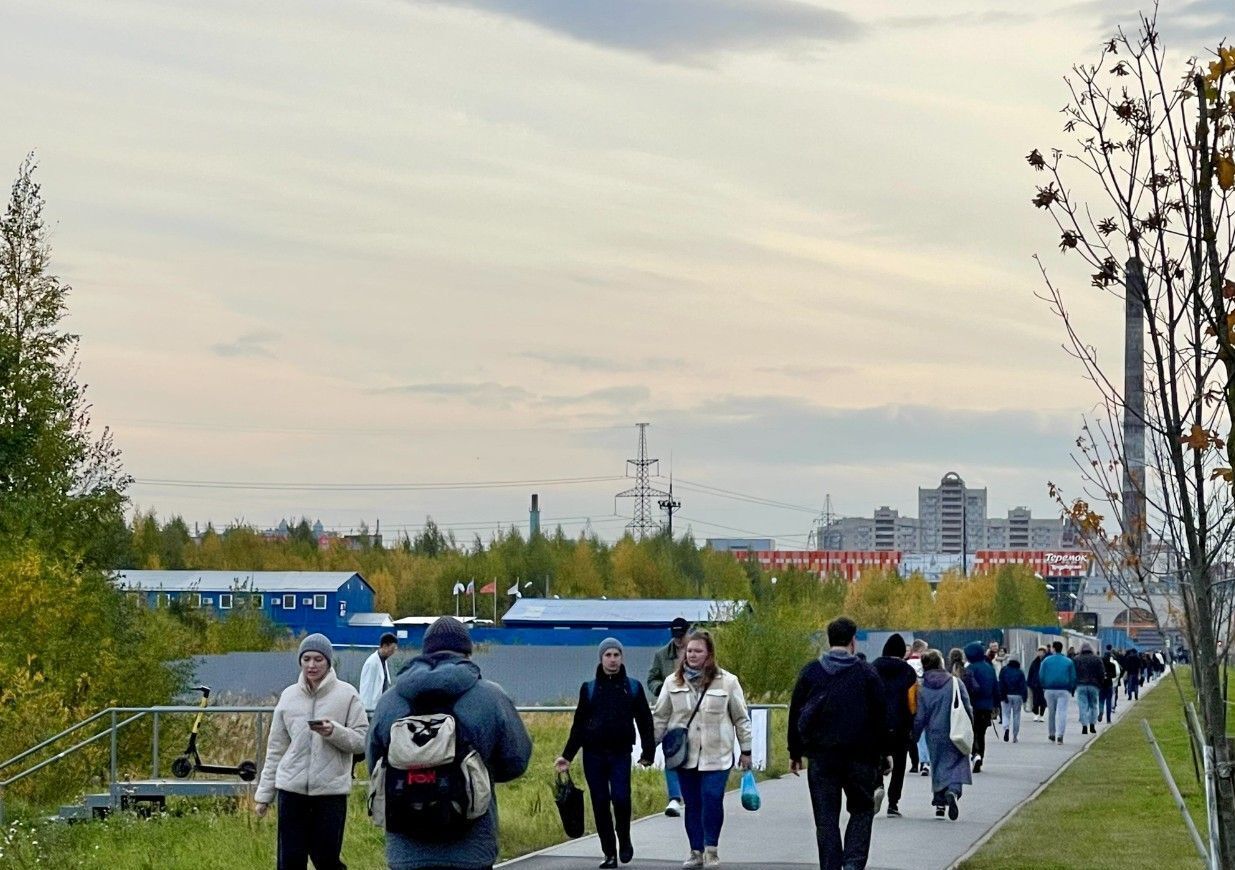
1013 689
1058 678
983 693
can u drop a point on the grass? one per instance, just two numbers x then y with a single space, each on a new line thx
225 835
1111 808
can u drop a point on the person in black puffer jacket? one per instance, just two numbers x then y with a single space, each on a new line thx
611 707
1013 687
898 678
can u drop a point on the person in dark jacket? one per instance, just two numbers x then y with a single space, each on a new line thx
950 770
1038 706
1012 690
983 691
898 678
609 710
443 678
1132 669
1090 672
664 665
838 720
1106 695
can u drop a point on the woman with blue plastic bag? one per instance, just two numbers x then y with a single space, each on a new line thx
610 709
710 704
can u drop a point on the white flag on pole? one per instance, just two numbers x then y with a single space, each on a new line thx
514 590
457 590
471 587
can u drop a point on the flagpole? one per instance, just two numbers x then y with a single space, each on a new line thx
473 585
495 601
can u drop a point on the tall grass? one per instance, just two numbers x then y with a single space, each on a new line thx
225 835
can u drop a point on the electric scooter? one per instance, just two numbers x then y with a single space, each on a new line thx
191 762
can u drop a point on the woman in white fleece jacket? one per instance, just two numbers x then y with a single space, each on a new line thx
319 723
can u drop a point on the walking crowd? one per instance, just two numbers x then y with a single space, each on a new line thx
441 736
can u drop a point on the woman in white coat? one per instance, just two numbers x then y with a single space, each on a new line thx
699 684
319 723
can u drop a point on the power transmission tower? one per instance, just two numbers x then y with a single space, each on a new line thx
643 521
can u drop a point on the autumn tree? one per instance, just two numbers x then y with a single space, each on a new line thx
61 483
1142 195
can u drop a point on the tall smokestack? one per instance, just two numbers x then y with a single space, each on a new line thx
1134 406
533 522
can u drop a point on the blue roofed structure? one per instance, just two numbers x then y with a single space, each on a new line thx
301 601
617 612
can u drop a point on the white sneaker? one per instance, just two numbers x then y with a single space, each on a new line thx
694 861
710 858
674 809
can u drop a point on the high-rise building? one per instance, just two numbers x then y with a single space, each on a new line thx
952 518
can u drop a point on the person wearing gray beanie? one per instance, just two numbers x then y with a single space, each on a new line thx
611 708
447 634
317 643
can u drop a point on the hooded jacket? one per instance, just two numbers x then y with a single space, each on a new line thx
1089 669
448 681
1012 681
980 678
299 759
856 721
898 677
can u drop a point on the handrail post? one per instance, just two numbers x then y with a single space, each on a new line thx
259 727
154 743
114 768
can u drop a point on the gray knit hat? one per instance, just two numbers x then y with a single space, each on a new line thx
447 635
317 643
610 643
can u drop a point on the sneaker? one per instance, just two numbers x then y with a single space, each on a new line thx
1005 735
710 858
879 795
953 809
1016 738
894 811
626 853
939 812
1051 737
926 770
674 809
977 764
1059 740
610 861
693 861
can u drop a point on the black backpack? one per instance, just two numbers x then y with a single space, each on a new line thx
437 784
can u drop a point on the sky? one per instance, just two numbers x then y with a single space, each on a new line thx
350 249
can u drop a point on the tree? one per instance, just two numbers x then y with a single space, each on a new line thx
59 483
1154 158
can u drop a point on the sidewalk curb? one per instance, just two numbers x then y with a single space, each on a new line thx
994 829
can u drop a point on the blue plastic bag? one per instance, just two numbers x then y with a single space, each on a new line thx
750 792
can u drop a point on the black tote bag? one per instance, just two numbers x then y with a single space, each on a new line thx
569 800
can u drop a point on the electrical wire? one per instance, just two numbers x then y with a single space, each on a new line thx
274 486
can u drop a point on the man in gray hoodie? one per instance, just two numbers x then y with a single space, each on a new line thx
444 679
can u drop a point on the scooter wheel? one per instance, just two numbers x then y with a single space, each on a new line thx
182 767
248 771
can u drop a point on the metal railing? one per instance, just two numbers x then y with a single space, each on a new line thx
121 717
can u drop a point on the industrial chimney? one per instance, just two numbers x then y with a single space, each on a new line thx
534 517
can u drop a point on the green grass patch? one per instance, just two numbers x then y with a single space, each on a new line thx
1111 808
225 835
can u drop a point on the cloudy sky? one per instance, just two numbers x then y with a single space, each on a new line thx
384 243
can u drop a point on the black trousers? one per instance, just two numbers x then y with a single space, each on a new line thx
981 724
896 782
1039 701
857 780
311 828
608 779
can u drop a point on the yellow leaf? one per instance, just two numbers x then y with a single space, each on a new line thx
1226 172
1197 439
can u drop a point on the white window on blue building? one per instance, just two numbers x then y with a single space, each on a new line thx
289 602
319 602
225 601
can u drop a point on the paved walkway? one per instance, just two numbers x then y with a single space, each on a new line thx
780 836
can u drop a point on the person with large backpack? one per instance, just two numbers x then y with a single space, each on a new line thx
439 739
610 709
838 720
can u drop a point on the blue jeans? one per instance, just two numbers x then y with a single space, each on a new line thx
1056 711
1087 704
1012 706
704 793
1106 700
608 779
924 753
672 785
